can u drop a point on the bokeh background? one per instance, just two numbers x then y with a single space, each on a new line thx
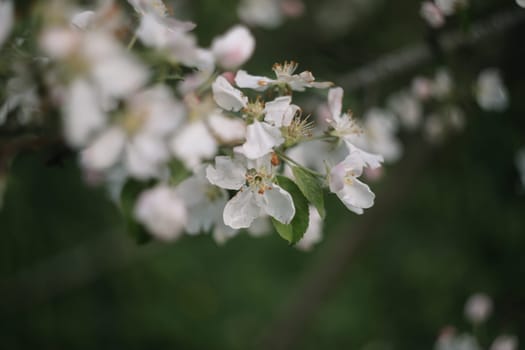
449 220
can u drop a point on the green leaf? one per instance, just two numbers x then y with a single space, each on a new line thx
311 187
128 198
294 231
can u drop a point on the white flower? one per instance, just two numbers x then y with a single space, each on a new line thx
491 93
314 233
520 3
257 193
347 129
263 13
432 14
162 212
407 108
505 342
228 97
379 136
83 20
285 77
6 19
442 84
280 112
83 114
261 138
478 308
234 48
343 181
450 341
449 7
21 96
138 137
194 143
434 129
204 202
158 11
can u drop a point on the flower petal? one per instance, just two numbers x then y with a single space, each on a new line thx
335 102
245 80
357 196
228 173
276 111
277 203
260 140
105 150
241 210
227 96
233 48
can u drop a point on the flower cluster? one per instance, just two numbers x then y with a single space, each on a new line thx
186 140
435 12
477 310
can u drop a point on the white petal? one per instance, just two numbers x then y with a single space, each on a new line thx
227 96
260 140
6 20
314 233
145 155
520 3
105 150
83 19
245 80
276 111
228 130
83 114
241 210
368 159
228 173
161 212
357 195
277 203
335 102
193 144
233 48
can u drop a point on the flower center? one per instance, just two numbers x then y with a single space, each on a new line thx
258 180
285 69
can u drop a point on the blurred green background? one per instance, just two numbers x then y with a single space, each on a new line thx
450 222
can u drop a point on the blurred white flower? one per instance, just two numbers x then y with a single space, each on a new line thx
422 88
204 202
379 135
285 77
520 3
442 84
83 20
347 129
451 341
434 129
408 109
491 92
6 19
162 212
478 308
20 96
343 181
432 14
505 342
314 233
233 48
138 137
257 193
449 7
262 13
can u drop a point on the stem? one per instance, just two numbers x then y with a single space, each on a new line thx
132 42
293 162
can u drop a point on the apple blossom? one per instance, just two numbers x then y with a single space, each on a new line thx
520 3
491 93
6 19
343 181
432 14
478 308
257 192
285 78
162 212
234 48
505 342
314 233
408 109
